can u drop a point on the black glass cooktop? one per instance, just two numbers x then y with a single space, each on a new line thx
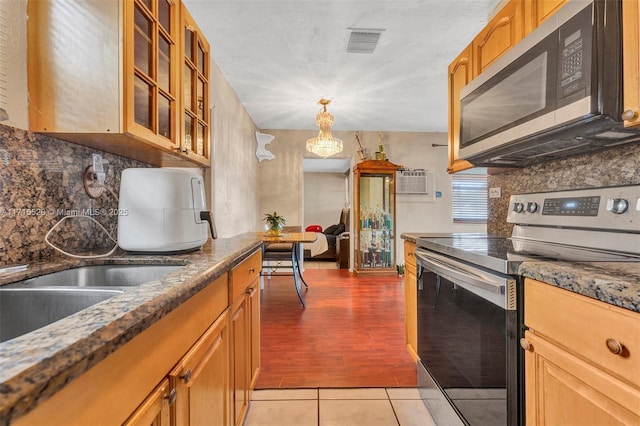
505 254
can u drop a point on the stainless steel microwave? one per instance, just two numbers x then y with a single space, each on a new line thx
556 93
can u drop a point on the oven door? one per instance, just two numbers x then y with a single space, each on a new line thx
467 342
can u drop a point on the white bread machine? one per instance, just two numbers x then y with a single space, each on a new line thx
162 211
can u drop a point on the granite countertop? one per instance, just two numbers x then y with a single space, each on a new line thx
616 283
36 365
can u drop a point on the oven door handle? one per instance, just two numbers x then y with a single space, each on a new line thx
461 272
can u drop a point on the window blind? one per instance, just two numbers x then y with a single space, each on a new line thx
470 198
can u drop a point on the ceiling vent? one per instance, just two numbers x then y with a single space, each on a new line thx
362 40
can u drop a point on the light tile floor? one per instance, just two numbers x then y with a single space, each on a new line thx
338 407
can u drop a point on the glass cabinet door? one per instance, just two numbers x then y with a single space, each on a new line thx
154 52
195 87
375 243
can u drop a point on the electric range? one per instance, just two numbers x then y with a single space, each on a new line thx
469 299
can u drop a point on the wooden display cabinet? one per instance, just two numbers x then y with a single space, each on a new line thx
375 222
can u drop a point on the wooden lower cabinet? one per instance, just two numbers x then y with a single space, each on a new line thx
572 375
201 379
155 410
240 362
245 333
195 366
410 299
253 297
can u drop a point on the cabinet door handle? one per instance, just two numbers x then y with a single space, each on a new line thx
614 346
173 394
186 376
410 254
250 291
524 344
252 270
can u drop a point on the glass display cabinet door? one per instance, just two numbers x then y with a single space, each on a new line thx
375 251
195 137
154 76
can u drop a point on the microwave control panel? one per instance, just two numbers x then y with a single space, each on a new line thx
574 55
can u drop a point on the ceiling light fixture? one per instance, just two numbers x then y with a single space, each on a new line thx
325 145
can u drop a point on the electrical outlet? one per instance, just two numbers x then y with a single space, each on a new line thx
495 192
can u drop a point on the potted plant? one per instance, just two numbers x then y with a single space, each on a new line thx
275 223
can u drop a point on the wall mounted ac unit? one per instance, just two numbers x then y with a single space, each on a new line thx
412 182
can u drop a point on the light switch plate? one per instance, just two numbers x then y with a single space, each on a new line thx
495 192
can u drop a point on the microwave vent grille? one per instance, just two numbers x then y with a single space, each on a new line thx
412 182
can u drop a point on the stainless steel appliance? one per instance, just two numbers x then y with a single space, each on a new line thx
556 93
470 295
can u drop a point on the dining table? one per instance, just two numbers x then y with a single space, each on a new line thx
296 239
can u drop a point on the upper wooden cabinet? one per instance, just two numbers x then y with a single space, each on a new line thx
460 74
195 91
537 11
503 32
108 74
631 61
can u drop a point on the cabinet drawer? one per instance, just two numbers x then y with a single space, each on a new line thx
409 254
245 273
584 326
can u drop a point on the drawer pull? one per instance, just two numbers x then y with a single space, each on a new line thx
524 344
252 270
614 346
410 254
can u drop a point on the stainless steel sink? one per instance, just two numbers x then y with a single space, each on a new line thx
36 302
100 276
23 310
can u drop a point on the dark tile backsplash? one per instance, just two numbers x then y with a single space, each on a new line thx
40 183
616 166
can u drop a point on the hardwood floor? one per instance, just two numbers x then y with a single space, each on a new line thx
351 333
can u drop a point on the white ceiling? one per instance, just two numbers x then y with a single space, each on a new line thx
281 57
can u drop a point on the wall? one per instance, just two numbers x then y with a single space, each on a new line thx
281 179
324 198
616 166
234 167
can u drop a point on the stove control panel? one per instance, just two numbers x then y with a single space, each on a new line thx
574 206
615 208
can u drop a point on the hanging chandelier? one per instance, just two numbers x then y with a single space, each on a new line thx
325 145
